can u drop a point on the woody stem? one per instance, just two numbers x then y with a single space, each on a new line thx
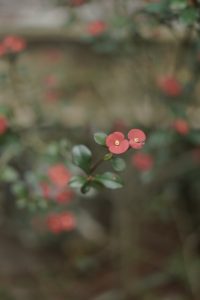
100 161
96 165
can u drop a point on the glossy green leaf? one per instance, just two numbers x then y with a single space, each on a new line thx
77 181
118 164
100 138
109 180
82 157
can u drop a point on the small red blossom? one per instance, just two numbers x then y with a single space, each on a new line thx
64 197
137 138
14 44
2 50
143 161
54 224
116 143
181 126
170 86
3 125
97 28
67 221
59 175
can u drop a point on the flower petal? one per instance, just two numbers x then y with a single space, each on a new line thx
137 133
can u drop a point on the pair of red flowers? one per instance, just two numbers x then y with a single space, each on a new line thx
12 44
57 187
118 144
59 222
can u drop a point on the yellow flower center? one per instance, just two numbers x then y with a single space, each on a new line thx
117 143
136 140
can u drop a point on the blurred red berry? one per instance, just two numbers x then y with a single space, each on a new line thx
54 224
2 50
137 138
67 221
170 86
3 124
181 126
59 175
64 197
116 143
14 44
97 28
142 161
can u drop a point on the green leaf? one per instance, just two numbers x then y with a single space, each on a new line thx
82 157
100 138
158 7
9 174
178 4
189 16
108 156
118 164
109 180
77 181
19 188
85 188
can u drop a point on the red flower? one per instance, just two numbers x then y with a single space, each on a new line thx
2 50
181 126
59 222
54 224
67 221
3 124
170 86
142 161
97 28
64 196
14 44
137 138
59 175
116 143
